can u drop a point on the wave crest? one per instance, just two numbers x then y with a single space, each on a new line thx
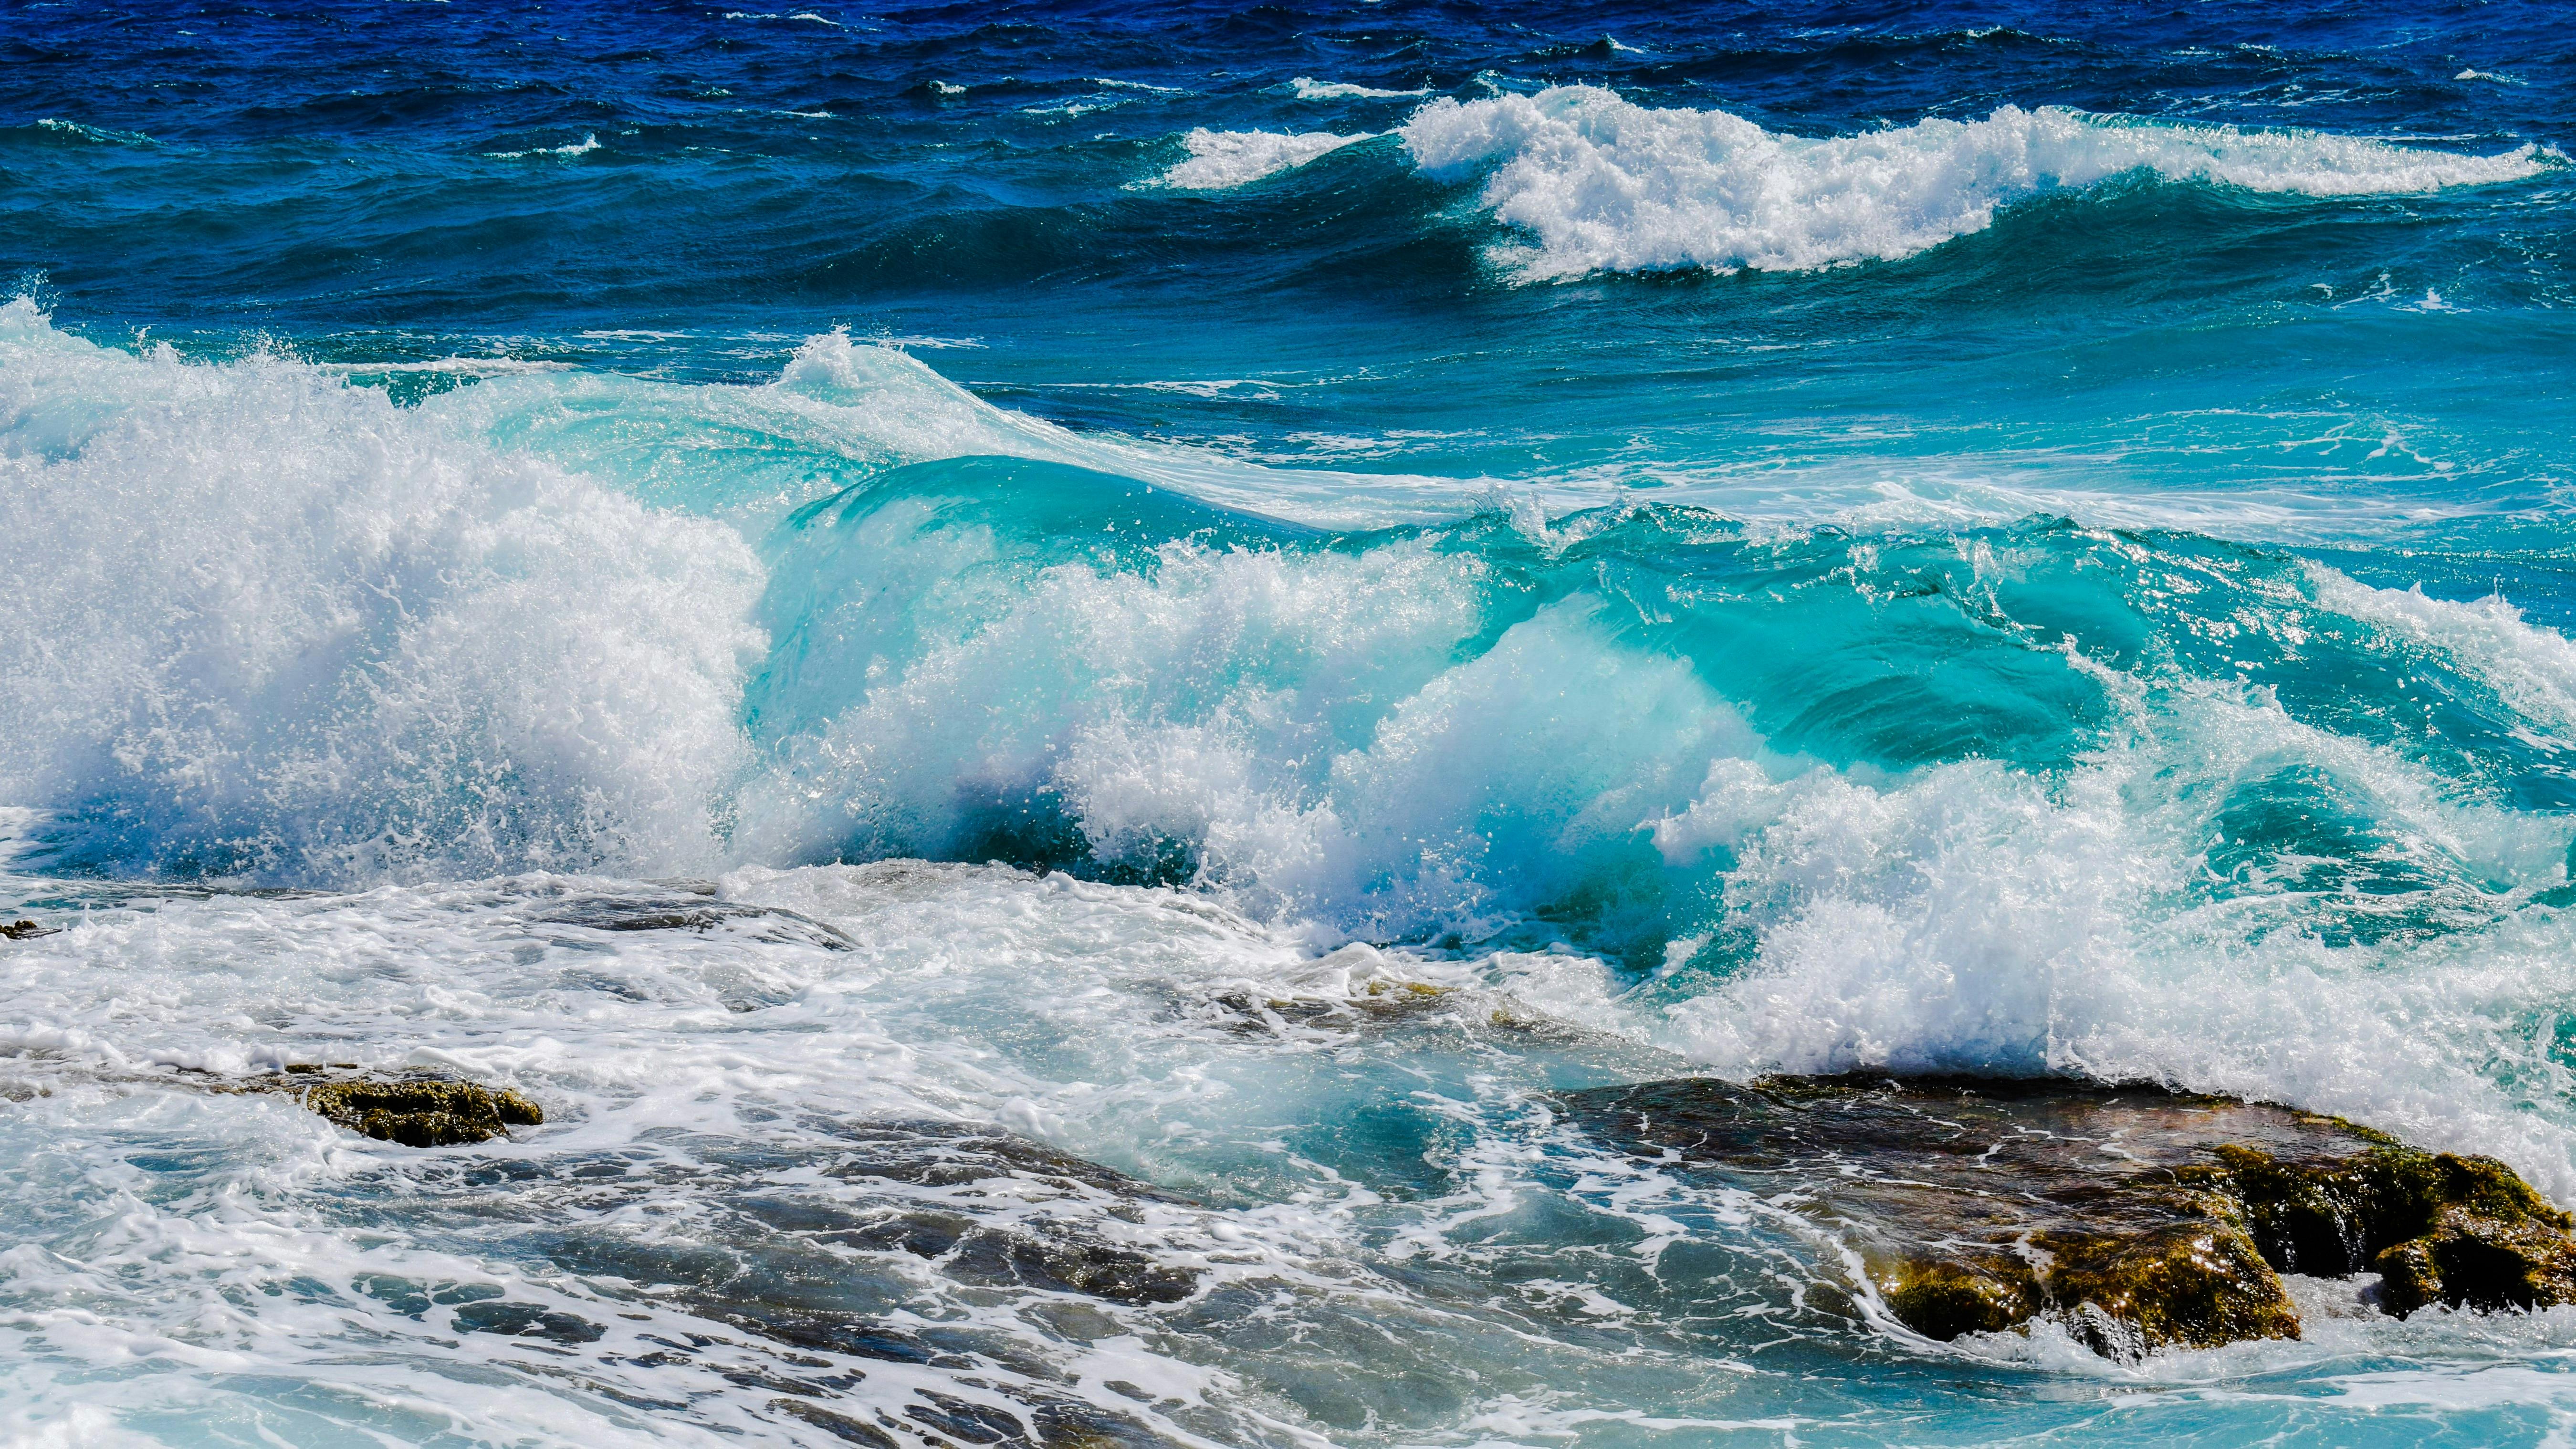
268 624
1223 159
1604 185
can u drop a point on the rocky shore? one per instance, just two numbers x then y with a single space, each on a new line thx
2135 1217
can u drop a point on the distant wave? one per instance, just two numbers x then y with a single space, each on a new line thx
1221 159
99 135
1310 89
1604 185
582 147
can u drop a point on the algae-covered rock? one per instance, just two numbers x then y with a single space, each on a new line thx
415 1110
2437 1227
422 1112
2136 1217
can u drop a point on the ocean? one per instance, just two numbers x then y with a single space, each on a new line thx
1047 670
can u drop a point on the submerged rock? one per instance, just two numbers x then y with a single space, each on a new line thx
689 911
1046 1249
2135 1217
1369 1003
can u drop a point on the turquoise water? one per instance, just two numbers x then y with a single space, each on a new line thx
1079 540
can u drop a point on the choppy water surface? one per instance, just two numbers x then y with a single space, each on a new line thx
1045 670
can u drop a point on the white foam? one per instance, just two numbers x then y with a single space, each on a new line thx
2531 669
1604 185
127 1305
274 623
1220 160
101 135
1227 699
582 147
1972 918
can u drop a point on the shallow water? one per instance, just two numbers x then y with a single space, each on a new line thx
1246 596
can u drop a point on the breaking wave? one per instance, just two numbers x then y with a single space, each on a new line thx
1220 160
1989 795
1600 184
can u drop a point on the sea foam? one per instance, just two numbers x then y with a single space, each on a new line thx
1974 919
266 623
1220 160
1601 184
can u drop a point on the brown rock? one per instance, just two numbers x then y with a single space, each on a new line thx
420 1112
2136 1217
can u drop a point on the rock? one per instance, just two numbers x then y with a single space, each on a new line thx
925 1152
25 930
1051 1250
689 912
527 1320
2135 1217
1050 1257
417 1110
839 1426
1371 1003
2438 1228
420 1112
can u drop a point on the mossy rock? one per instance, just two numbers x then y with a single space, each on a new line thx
2194 1283
2438 1227
422 1112
1946 1297
2135 1217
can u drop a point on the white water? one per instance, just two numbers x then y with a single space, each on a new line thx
268 624
1604 185
1220 160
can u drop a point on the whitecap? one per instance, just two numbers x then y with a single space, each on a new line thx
101 135
1220 160
293 629
583 147
1310 89
1601 184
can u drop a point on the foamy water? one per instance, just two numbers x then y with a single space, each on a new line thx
467 653
1048 681
1605 185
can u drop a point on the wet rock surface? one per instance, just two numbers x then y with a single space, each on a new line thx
1367 1003
419 1112
928 1153
2135 1217
693 911
822 1278
416 1110
1040 1249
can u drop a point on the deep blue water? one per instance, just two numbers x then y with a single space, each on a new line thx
1989 538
